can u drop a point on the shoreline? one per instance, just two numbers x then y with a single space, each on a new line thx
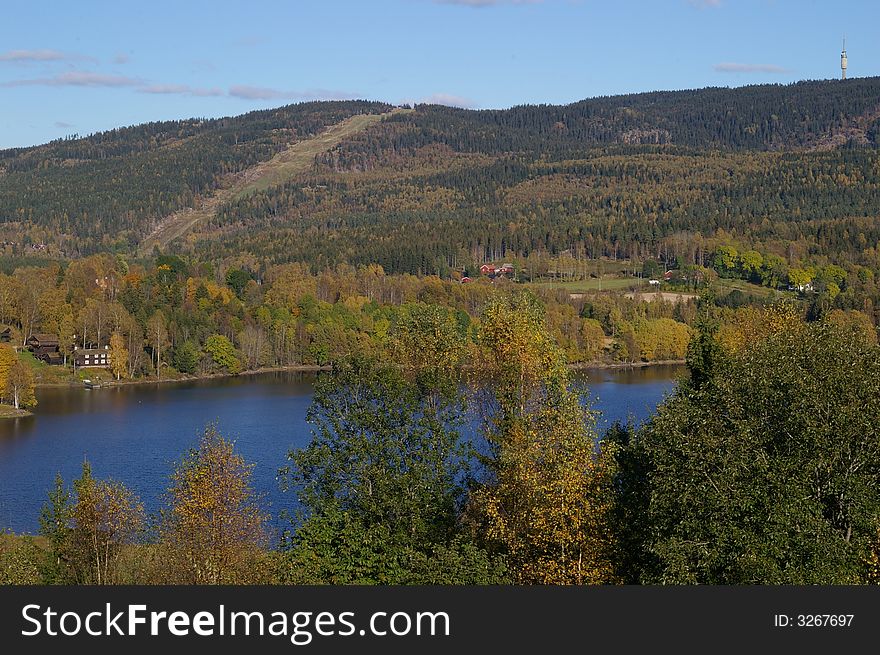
294 368
606 365
313 368
8 411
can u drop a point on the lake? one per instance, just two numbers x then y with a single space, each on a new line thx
136 433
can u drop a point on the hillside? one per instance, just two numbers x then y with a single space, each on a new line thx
111 189
297 158
660 174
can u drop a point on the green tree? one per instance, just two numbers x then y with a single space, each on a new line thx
186 357
799 277
55 526
427 341
382 478
223 353
750 263
651 269
766 471
725 259
237 280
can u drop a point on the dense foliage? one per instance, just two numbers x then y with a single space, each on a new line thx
174 317
764 468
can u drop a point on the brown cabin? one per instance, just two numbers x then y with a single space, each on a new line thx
44 346
91 357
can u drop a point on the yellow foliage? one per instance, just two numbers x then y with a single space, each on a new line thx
214 528
548 507
118 355
7 359
750 325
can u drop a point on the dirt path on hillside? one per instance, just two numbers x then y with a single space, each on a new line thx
297 158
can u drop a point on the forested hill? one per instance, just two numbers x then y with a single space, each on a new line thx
716 152
119 182
767 117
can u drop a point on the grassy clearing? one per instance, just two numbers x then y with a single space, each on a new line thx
727 286
614 283
300 156
28 358
43 373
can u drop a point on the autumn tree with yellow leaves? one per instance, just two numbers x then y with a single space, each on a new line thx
20 385
118 355
89 537
214 528
7 359
547 498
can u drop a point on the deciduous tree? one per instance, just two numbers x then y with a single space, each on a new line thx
20 385
547 500
214 527
105 518
118 355
223 353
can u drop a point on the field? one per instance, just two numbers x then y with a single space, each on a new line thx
665 296
726 286
668 293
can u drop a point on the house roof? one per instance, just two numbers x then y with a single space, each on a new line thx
43 337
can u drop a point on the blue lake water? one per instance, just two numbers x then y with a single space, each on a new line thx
136 433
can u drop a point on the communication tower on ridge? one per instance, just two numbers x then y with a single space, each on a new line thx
843 60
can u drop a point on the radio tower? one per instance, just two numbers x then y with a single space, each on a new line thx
843 61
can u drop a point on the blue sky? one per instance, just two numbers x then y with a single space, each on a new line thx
84 66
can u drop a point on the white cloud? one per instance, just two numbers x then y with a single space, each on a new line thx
78 78
63 125
41 55
705 4
181 89
731 67
121 58
256 92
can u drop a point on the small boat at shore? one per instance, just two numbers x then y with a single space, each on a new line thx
88 384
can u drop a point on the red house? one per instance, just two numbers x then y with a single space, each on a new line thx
487 269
